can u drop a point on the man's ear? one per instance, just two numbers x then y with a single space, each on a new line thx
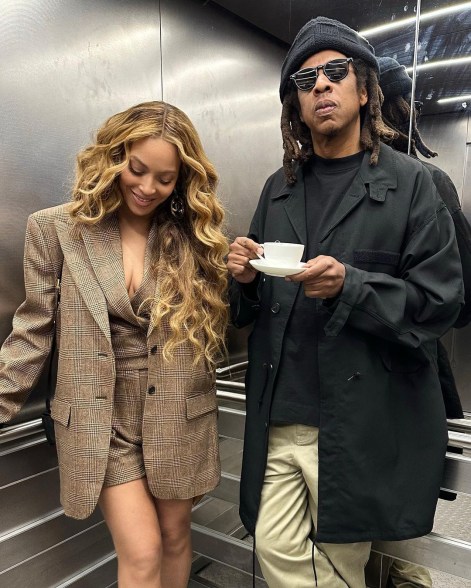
363 96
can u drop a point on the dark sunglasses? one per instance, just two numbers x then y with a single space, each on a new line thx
335 70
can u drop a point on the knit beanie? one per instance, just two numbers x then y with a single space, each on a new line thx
324 33
394 79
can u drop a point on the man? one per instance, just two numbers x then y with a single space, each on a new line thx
396 86
345 432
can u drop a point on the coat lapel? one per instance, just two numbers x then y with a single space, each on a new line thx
86 252
378 179
295 205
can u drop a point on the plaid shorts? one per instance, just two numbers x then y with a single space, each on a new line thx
125 460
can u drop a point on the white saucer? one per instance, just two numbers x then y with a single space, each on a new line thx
264 266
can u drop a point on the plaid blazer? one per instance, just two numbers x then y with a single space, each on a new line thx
180 439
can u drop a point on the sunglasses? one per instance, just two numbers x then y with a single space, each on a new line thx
335 70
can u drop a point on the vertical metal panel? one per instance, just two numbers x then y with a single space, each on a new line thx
66 67
462 337
225 76
447 134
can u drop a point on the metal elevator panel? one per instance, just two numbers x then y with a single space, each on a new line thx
56 565
462 337
66 67
447 134
26 462
29 500
41 538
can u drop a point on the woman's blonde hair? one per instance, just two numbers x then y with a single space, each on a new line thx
189 251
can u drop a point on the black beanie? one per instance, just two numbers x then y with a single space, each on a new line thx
324 33
394 79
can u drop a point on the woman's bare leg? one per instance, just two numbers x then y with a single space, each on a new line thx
130 513
175 520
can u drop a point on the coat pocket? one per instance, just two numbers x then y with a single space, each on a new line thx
60 412
201 404
376 260
403 360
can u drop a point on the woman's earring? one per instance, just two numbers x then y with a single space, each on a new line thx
176 206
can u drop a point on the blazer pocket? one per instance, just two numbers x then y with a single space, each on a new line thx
201 404
60 412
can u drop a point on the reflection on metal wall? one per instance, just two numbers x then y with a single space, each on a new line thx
447 134
225 76
67 66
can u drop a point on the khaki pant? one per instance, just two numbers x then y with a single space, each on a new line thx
385 572
288 511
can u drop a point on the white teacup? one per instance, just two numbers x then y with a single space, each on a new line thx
283 254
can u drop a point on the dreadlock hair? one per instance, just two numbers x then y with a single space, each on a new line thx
297 140
396 113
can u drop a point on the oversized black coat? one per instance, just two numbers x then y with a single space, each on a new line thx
383 431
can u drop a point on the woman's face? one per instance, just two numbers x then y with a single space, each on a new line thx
150 177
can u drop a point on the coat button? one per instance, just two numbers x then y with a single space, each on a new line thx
275 308
151 390
153 349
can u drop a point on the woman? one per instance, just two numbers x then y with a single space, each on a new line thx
138 254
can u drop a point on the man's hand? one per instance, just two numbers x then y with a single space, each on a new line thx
323 277
241 251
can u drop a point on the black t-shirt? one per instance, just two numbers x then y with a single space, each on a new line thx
296 392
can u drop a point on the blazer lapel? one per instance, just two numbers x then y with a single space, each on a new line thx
79 248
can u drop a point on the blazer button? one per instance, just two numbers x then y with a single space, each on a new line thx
153 349
275 308
151 390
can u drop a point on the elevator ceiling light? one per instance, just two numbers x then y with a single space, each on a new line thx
455 99
425 16
441 63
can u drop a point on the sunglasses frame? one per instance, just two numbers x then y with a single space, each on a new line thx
315 69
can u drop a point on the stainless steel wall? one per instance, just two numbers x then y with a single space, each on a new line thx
449 135
67 66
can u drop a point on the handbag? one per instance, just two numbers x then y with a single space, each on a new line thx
46 417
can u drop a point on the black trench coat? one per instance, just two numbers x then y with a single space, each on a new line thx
383 431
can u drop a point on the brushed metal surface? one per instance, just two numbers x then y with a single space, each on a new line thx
225 76
42 537
66 67
56 565
29 500
32 460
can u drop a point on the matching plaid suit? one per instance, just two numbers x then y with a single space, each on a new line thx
179 430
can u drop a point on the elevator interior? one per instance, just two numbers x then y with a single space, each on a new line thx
66 67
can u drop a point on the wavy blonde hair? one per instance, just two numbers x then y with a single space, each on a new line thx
189 253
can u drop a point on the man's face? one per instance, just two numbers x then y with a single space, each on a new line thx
332 109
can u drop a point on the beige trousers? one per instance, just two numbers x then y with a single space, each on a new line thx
288 510
385 572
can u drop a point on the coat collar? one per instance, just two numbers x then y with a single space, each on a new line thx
375 181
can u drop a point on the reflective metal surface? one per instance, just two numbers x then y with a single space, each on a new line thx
66 66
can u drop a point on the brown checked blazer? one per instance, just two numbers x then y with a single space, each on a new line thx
180 440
